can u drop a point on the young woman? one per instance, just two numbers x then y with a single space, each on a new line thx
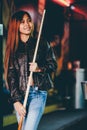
20 49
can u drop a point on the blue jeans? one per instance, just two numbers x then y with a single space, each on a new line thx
35 108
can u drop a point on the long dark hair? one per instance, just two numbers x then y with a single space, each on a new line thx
13 38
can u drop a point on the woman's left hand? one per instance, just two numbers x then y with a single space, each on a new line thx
34 67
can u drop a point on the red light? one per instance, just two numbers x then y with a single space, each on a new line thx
77 10
62 3
41 6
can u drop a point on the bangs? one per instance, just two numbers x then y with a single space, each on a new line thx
19 15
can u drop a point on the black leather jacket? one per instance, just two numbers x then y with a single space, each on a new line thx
18 70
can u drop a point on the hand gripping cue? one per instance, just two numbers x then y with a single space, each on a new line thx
31 73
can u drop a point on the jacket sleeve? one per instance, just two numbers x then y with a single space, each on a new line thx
13 82
50 64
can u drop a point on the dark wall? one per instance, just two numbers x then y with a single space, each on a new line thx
78 42
54 20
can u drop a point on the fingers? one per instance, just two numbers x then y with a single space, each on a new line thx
33 67
20 109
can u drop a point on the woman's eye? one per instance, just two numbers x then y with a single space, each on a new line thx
29 20
22 21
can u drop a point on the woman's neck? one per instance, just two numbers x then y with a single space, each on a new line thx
24 38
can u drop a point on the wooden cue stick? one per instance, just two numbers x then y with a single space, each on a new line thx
31 73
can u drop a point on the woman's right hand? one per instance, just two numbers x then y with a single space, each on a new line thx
20 109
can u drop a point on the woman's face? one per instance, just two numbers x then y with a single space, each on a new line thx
26 25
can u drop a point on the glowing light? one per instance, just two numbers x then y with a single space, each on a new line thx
72 7
67 3
78 10
62 2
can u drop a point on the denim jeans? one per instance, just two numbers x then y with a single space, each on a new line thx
35 108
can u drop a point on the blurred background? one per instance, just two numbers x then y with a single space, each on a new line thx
65 28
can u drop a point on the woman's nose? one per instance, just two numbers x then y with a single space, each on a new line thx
26 23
